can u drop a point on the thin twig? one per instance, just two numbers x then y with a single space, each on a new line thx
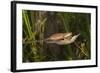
80 48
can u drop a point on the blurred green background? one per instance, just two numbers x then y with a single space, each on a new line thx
38 25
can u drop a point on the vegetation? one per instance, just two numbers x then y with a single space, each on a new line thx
38 25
